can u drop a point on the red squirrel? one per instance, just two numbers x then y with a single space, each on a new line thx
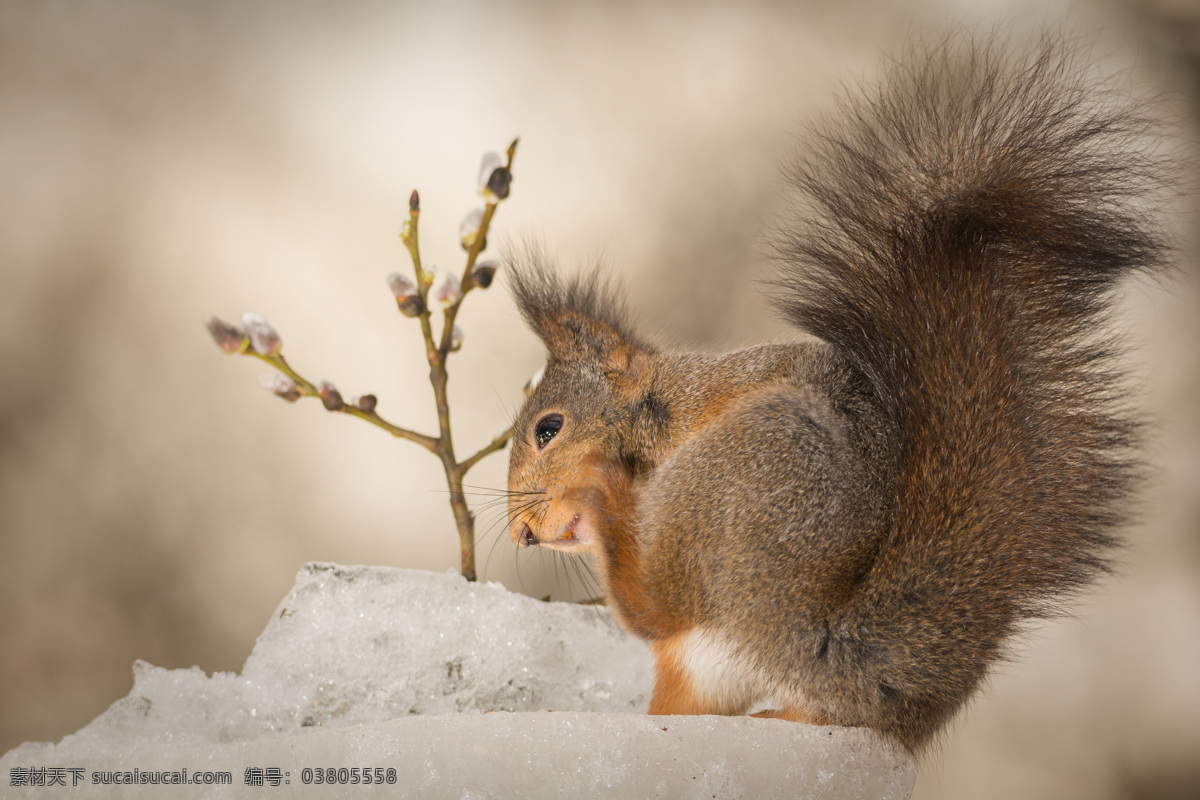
854 525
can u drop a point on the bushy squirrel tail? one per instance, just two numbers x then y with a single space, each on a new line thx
965 231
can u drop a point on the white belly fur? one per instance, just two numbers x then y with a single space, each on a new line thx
725 680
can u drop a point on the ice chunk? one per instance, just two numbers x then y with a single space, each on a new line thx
351 645
370 667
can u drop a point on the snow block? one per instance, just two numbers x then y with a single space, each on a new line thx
377 682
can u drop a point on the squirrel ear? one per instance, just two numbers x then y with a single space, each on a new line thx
572 336
578 319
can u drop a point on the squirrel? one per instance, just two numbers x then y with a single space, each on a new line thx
853 526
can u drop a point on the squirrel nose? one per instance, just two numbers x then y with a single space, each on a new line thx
528 538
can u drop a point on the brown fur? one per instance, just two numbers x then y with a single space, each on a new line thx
673 691
858 524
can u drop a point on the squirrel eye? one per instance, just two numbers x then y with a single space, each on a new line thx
546 429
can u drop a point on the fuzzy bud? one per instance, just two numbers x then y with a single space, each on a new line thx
330 396
449 291
366 403
401 286
408 299
281 385
229 337
263 338
494 178
484 273
499 184
456 339
491 162
468 231
414 203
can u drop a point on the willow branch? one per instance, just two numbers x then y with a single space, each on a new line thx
308 389
259 339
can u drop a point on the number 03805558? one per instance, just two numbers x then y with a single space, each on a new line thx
343 775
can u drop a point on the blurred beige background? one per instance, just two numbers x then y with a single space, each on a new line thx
164 161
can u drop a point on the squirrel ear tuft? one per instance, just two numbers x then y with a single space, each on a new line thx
582 318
